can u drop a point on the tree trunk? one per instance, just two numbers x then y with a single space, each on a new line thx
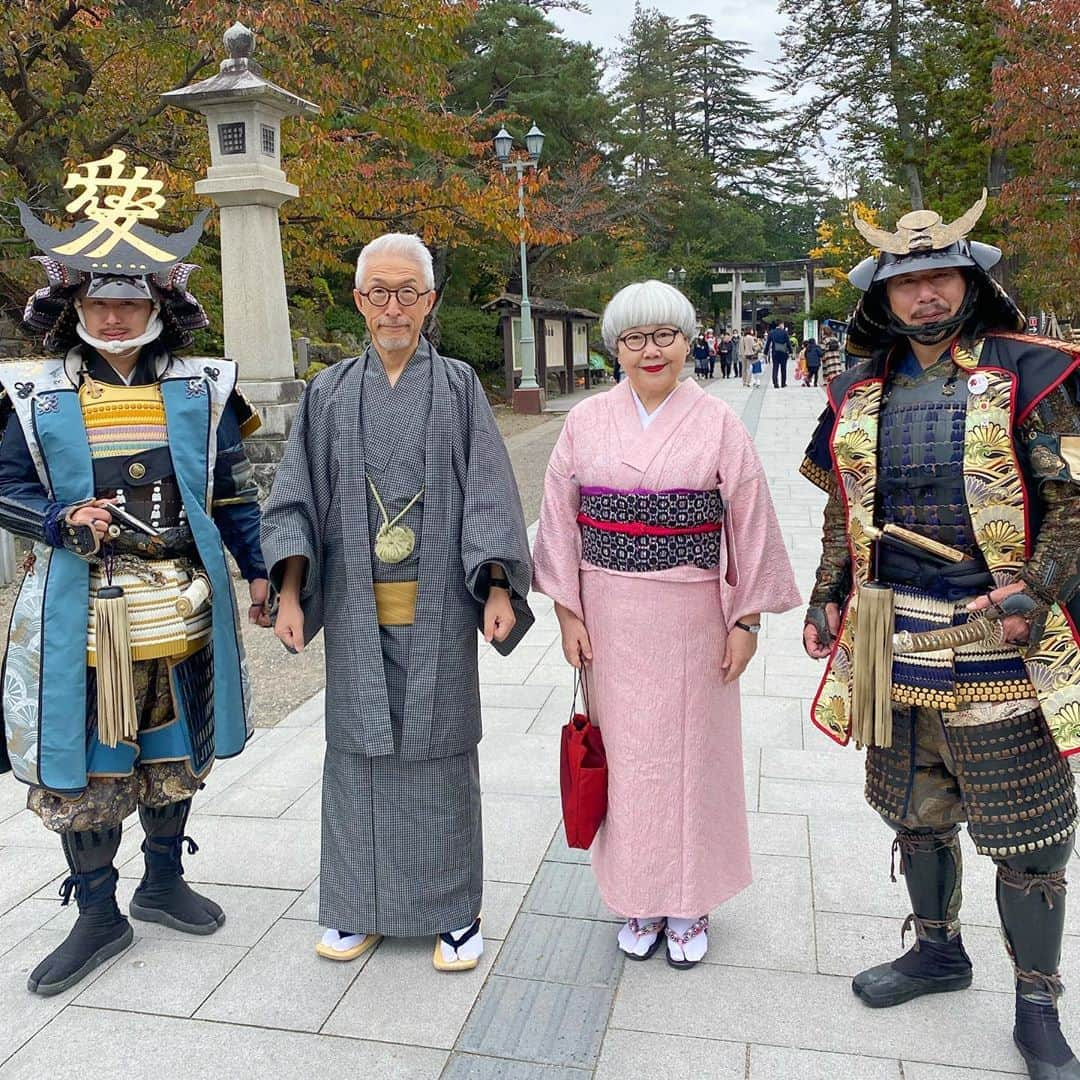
904 116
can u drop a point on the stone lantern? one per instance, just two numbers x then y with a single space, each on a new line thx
244 113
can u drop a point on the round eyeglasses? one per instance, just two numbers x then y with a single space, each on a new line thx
380 297
636 339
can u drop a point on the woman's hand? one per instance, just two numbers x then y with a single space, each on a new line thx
499 617
740 649
575 638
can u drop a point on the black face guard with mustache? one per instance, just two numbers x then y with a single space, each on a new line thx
937 332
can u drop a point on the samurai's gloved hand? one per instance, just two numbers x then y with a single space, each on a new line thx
1022 613
82 527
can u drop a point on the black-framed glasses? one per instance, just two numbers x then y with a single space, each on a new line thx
380 297
635 341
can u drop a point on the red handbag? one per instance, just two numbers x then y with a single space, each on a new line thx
583 774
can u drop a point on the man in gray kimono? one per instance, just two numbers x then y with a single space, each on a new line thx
395 523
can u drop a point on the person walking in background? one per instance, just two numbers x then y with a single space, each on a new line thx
749 352
724 349
811 354
650 493
701 352
832 361
777 348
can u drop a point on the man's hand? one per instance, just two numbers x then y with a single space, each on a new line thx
289 626
1015 628
815 645
499 617
259 590
575 638
95 515
738 652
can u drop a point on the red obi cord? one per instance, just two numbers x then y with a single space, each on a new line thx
639 528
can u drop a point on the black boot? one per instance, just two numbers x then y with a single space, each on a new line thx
1031 902
100 931
163 896
937 963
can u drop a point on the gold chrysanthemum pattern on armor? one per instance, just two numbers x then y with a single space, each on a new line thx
855 448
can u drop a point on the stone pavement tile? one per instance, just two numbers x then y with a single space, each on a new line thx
512 720
401 998
473 1067
265 852
667 1057
917 1070
770 924
833 764
308 807
811 1012
12 797
752 777
519 764
167 977
580 952
788 686
299 763
242 799
810 797
24 871
26 831
556 711
568 890
502 902
772 721
846 944
308 714
282 983
779 834
24 1013
785 1063
109 1044
22 920
517 832
515 697
552 673
264 743
543 1022
780 663
306 906
559 851
527 655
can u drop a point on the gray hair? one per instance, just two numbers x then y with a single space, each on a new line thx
645 303
404 246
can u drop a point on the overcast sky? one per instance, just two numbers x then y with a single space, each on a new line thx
754 21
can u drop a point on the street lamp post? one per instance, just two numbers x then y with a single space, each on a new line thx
528 395
677 277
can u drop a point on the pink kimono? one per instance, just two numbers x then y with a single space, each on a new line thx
630 540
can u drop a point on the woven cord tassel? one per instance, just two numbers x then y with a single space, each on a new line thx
871 707
115 676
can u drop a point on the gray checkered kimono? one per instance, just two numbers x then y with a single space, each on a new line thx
401 852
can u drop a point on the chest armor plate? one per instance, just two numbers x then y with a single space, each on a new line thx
129 445
921 440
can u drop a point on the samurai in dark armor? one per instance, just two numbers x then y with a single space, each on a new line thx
947 604
124 464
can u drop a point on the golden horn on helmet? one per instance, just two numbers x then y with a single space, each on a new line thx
945 235
894 243
921 230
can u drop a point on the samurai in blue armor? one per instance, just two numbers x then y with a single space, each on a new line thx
123 463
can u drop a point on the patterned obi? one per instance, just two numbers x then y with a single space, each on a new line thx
640 531
129 445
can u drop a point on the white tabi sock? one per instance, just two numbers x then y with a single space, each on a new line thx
692 938
339 941
636 936
472 949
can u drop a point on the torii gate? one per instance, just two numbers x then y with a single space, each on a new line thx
774 282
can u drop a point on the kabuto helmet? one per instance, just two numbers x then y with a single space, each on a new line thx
112 255
922 241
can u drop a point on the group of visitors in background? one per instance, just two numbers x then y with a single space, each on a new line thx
708 349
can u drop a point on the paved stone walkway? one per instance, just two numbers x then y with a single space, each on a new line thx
552 999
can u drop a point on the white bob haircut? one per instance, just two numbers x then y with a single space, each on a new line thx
645 303
403 246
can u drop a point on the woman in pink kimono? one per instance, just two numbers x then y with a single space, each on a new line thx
659 544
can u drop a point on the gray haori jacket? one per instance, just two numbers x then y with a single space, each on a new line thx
471 516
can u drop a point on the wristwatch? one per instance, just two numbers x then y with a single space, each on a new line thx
754 629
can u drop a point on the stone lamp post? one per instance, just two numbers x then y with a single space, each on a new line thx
244 113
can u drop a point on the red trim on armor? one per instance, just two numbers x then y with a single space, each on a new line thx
639 528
